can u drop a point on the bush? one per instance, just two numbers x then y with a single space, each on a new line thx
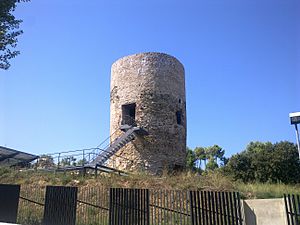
266 162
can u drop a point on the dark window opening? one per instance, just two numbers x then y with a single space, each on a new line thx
177 167
128 114
179 117
179 101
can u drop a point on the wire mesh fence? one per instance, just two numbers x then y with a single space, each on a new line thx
31 204
118 206
92 206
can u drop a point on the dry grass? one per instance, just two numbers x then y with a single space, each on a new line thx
214 181
180 181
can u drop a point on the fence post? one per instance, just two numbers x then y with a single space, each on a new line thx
9 202
58 160
192 206
60 205
83 158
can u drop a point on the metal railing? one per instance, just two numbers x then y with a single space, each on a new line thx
76 159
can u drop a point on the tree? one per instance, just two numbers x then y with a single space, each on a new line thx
200 154
190 159
214 153
239 167
266 162
285 164
68 161
212 163
82 162
9 31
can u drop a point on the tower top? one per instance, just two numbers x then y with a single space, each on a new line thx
148 55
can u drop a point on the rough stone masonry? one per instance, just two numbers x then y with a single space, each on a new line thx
149 88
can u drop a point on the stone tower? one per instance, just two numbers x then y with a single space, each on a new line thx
148 90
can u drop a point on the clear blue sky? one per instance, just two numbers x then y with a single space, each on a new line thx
242 63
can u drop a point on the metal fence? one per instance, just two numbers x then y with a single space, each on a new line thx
129 206
119 206
292 207
31 205
92 206
216 208
169 207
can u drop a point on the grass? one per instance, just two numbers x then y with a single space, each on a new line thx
266 190
214 181
34 182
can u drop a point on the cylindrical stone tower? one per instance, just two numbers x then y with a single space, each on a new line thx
149 88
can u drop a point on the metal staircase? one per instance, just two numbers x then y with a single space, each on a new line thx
117 144
94 158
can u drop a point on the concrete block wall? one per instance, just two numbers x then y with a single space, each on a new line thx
265 212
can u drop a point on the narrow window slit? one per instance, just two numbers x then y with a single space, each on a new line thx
179 117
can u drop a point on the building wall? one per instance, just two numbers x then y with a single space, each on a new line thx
155 82
265 212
